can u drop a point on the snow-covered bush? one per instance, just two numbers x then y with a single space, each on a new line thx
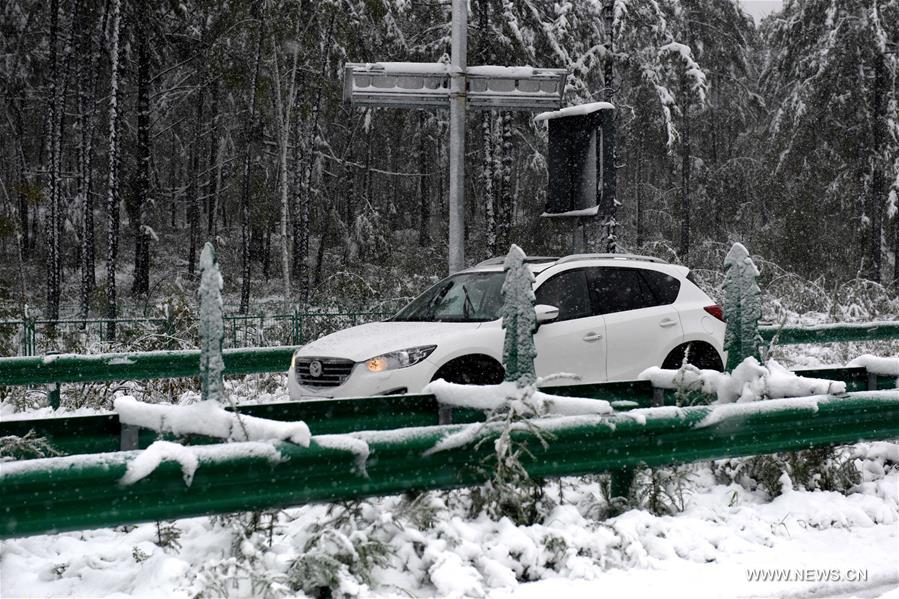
818 469
519 319
342 551
511 492
245 571
664 490
742 306
13 447
212 328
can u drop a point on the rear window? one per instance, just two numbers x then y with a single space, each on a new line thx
665 287
620 289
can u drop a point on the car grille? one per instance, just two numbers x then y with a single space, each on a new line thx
334 371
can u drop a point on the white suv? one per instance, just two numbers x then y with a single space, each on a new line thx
603 317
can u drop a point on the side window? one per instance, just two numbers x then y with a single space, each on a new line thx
665 287
620 289
568 292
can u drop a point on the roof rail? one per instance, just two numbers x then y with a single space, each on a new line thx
577 257
498 260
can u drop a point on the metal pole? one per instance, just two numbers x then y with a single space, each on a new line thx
458 64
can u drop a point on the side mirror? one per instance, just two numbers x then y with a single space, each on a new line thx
545 313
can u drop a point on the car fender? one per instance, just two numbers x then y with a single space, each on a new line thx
710 339
486 340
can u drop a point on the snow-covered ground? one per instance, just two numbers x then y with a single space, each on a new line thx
729 540
841 545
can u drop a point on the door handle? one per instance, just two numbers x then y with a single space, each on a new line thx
591 337
667 323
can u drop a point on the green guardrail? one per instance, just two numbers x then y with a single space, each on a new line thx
81 492
831 333
104 433
79 368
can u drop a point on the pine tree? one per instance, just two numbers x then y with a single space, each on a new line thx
742 306
519 319
212 327
831 80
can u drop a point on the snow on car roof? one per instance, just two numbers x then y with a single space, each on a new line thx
538 264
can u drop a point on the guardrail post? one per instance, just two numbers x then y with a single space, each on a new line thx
622 479
53 391
872 381
129 437
445 415
53 394
658 397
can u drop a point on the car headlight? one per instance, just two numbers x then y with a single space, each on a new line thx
293 358
399 359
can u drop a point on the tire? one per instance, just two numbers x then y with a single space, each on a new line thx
471 370
699 354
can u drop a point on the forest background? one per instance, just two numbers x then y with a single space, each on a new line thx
132 132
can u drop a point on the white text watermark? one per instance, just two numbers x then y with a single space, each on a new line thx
807 575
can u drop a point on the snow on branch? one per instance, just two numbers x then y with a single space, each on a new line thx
749 381
692 71
208 419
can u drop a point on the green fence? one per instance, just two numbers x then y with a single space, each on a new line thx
35 336
74 493
831 333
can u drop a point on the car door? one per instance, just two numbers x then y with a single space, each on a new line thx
640 326
575 341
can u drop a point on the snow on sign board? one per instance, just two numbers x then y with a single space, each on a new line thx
427 84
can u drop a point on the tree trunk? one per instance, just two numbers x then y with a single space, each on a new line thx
112 184
638 188
214 166
88 75
193 186
504 212
250 133
140 193
896 251
487 181
684 248
877 197
53 145
608 203
283 113
424 188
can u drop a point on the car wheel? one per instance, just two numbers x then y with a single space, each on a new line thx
699 354
471 370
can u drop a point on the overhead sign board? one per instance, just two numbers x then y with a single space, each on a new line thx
575 165
426 85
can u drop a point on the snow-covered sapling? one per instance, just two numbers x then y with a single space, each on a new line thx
742 306
519 319
212 327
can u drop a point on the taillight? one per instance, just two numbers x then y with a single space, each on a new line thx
716 311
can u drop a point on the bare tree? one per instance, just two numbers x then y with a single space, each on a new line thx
283 113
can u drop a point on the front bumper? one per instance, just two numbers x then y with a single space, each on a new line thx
363 383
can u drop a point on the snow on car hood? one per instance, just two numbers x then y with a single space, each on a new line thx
376 338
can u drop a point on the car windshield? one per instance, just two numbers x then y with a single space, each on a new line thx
468 297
